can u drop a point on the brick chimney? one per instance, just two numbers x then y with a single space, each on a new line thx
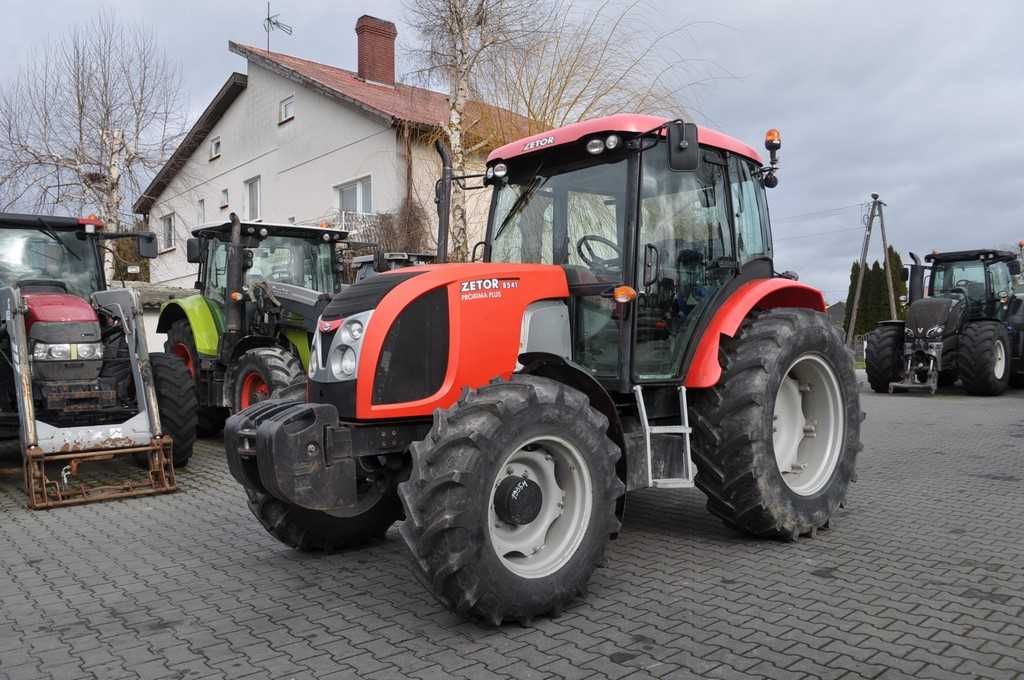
376 39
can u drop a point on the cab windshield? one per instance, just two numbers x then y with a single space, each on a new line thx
572 214
43 253
300 262
967 278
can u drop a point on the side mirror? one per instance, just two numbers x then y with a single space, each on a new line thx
479 246
146 245
683 147
193 251
905 274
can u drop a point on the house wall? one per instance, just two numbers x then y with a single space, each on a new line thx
426 171
299 163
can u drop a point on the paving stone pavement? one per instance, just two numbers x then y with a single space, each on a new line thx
920 576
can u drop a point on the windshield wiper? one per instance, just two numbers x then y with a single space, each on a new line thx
43 229
521 201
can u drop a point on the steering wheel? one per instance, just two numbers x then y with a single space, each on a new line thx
585 249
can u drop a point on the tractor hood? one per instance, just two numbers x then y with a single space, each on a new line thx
57 308
934 317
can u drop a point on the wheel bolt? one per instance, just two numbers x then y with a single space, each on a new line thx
509 470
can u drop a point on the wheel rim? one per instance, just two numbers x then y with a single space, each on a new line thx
254 389
809 424
543 546
181 351
1000 362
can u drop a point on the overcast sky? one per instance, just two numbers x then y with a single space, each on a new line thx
922 102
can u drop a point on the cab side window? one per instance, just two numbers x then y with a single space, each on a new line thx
750 211
216 270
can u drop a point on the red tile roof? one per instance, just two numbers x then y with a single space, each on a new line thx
401 103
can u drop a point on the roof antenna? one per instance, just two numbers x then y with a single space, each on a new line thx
272 22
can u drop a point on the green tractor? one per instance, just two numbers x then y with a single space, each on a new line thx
245 336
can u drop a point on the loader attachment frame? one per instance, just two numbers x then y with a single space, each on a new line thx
71 447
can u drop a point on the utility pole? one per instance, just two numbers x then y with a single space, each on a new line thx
875 211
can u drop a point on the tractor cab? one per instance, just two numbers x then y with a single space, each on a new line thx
981 278
611 204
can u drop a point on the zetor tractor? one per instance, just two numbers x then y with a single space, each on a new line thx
78 385
970 327
626 302
246 337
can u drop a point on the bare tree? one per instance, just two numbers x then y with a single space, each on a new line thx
457 36
590 62
88 120
516 67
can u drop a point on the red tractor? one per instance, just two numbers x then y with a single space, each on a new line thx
625 329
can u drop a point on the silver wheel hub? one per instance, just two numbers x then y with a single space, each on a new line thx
809 424
540 506
999 365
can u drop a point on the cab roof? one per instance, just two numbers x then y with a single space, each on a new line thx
621 123
964 255
55 222
219 229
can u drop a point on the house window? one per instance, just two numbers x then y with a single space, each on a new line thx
215 148
201 211
286 111
252 188
223 198
355 196
167 231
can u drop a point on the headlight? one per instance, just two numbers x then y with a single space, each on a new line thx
343 362
90 350
63 351
935 331
353 330
908 333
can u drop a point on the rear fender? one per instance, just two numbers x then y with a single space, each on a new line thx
705 369
196 310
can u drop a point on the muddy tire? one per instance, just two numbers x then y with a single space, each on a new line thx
181 343
784 371
511 500
984 358
176 403
314 531
883 357
267 373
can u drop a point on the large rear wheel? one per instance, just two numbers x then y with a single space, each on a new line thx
181 343
176 403
883 357
775 441
984 358
511 499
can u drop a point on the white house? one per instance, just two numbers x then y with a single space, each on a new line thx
294 140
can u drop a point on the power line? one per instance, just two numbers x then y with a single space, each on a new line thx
818 233
818 213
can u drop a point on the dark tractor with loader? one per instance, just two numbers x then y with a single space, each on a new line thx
78 385
625 330
246 336
969 327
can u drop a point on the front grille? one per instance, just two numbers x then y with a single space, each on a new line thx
414 358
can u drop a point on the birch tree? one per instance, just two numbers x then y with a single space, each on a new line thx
456 37
87 122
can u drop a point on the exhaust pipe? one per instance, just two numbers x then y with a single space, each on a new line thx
916 288
443 199
234 308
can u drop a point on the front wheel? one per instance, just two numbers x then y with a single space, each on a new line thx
984 358
511 500
181 343
775 441
883 357
176 404
267 373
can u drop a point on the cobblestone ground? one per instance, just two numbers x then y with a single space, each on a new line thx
922 575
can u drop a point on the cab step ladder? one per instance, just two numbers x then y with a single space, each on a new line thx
685 481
